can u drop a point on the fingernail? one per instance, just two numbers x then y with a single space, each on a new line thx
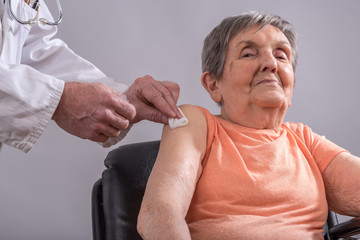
179 113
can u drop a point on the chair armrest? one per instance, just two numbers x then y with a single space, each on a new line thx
346 229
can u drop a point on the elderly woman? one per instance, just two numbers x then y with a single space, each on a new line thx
246 174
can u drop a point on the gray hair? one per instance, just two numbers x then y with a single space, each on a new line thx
216 43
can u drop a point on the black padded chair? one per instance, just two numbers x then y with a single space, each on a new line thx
117 196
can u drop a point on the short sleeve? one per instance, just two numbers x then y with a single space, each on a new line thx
322 150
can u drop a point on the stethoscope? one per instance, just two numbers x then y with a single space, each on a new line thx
34 20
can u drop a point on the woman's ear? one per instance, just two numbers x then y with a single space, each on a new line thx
211 84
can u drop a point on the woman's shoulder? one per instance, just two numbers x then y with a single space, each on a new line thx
194 112
297 127
201 124
300 129
201 117
192 108
189 110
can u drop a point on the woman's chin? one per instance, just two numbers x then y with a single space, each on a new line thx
270 100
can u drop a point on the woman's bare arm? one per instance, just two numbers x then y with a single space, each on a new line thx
173 179
342 184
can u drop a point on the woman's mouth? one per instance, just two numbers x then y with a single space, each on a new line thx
267 81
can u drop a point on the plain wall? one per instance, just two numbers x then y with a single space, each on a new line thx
46 193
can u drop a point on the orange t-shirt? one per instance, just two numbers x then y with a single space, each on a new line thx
261 184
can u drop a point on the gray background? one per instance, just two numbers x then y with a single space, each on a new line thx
45 194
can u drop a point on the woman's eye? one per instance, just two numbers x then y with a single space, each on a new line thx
246 53
279 54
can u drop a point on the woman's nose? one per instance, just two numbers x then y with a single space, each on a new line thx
269 63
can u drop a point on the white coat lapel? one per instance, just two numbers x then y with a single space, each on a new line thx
14 33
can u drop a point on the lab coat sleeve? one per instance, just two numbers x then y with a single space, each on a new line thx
31 91
28 99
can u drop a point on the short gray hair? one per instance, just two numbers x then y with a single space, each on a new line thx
216 43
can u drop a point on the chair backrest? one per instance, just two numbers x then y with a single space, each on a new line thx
117 196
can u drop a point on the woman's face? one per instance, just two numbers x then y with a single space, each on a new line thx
257 72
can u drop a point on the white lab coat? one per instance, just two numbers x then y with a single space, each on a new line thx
33 68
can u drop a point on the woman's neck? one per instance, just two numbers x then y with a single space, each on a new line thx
258 117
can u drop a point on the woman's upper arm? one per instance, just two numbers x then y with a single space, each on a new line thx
342 184
178 165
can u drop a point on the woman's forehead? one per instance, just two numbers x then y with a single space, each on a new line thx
256 35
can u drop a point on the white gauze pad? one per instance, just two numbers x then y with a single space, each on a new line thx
175 122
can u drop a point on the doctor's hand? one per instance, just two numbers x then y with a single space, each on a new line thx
92 111
154 100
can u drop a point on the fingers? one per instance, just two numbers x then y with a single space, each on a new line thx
116 112
108 131
173 88
101 130
93 111
165 98
124 109
151 113
108 121
153 99
99 138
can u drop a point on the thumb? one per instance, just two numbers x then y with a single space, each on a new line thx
151 114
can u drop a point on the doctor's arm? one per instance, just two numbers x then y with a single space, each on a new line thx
173 179
153 100
342 184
